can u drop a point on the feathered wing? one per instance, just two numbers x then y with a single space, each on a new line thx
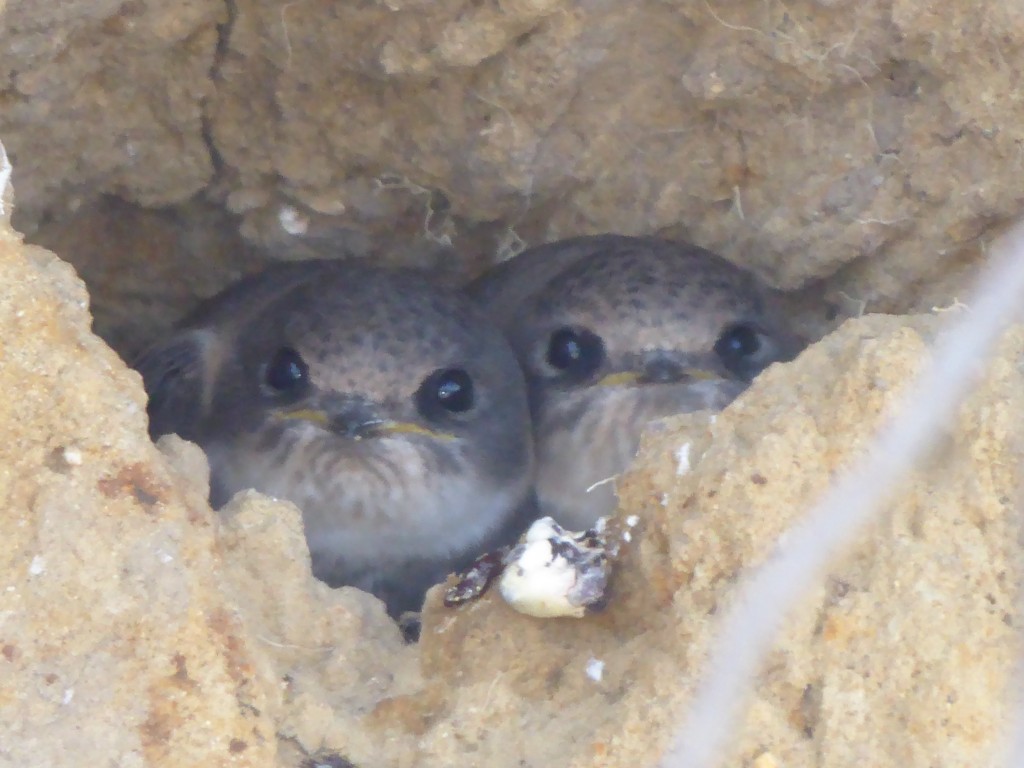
174 373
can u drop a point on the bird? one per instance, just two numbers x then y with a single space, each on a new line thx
388 409
616 331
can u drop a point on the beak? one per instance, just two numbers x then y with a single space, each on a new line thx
357 419
664 368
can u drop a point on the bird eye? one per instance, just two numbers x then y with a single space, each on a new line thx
449 389
737 347
575 351
286 373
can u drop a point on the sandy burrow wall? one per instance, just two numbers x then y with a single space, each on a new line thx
796 137
883 138
138 628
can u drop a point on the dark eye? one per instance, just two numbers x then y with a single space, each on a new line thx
286 373
575 351
738 347
449 390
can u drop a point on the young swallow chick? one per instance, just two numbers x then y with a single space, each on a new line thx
390 411
614 332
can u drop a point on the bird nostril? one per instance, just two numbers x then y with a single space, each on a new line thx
345 426
353 418
662 370
356 427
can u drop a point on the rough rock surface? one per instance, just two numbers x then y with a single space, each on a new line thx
106 96
864 151
333 657
870 144
117 645
761 130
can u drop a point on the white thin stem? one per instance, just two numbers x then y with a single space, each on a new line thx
5 178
